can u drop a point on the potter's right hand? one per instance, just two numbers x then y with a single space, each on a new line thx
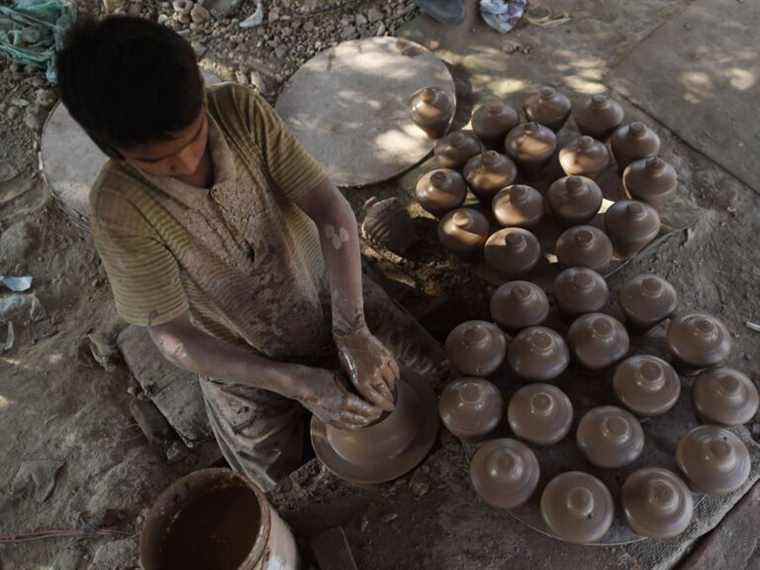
325 395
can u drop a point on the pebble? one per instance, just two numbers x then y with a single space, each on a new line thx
381 29
374 15
361 20
45 97
199 14
348 32
33 120
274 15
19 102
280 51
182 6
12 112
308 26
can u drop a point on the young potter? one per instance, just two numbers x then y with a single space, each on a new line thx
227 240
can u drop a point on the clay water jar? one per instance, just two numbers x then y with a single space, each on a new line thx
476 348
489 172
579 290
547 106
584 157
647 300
471 408
610 437
577 507
574 200
518 206
538 354
598 341
631 226
657 503
584 246
455 149
646 385
464 231
598 116
698 340
492 121
432 109
725 396
531 146
519 304
650 180
714 460
633 142
540 414
441 191
512 251
504 472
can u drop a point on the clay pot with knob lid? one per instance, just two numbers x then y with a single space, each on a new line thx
574 200
598 116
489 172
538 354
598 341
512 251
464 231
657 503
432 109
441 191
698 340
647 300
646 385
577 507
610 437
540 414
476 348
455 149
531 146
504 473
579 290
584 246
471 408
518 206
492 121
650 180
631 226
584 157
725 396
714 460
633 142
548 107
519 304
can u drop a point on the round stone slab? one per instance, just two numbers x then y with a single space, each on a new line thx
349 107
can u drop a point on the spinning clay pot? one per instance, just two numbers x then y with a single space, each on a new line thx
476 348
432 109
657 503
491 122
519 304
650 180
699 340
598 117
538 354
518 206
548 107
634 142
584 246
504 473
610 437
387 224
631 226
441 191
540 413
647 300
714 460
471 408
598 341
463 231
531 146
646 385
489 172
725 396
584 157
512 251
574 200
579 290
455 149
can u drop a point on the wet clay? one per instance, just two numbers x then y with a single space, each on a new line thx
574 200
540 413
598 341
531 146
441 191
633 142
698 340
657 503
471 408
646 385
464 231
504 473
476 348
579 290
547 106
725 396
432 109
714 460
489 172
538 354
631 226
519 304
584 156
388 224
584 246
647 300
455 149
512 251
650 180
610 437
518 206
598 116
492 121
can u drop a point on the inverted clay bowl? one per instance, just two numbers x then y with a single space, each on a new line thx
492 121
633 142
540 413
647 299
650 180
489 172
538 354
512 251
463 231
610 437
431 109
598 341
725 396
699 340
476 348
713 459
584 156
579 290
584 246
574 200
657 503
455 149
631 226
504 473
531 146
548 107
471 408
646 385
518 206
598 116
516 305
441 191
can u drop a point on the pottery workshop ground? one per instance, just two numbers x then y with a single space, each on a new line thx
74 457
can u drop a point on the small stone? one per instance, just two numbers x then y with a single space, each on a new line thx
280 51
348 32
308 26
274 15
380 29
45 97
131 390
374 15
175 452
420 488
184 18
361 20
199 14
199 48
162 19
33 120
134 10
182 6
19 102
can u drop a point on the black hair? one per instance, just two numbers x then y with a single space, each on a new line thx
128 81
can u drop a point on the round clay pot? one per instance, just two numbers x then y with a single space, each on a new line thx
657 503
633 142
504 473
647 300
574 200
476 348
455 149
387 224
714 460
471 408
584 246
512 251
598 341
547 106
538 354
584 156
489 172
577 507
699 340
432 109
598 116
441 191
519 304
531 146
579 290
631 226
650 180
610 437
464 231
725 396
646 385
518 206
492 121
540 413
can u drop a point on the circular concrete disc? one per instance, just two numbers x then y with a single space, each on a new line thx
349 107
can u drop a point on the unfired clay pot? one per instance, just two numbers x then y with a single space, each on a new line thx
387 224
432 109
489 172
441 191
455 149
647 300
633 142
714 460
504 473
464 231
725 396
531 146
610 437
512 251
598 341
579 290
598 116
471 408
538 354
646 385
699 340
476 348
631 226
518 206
657 503
519 304
492 121
584 246
584 157
548 107
540 413
577 507
574 200
650 180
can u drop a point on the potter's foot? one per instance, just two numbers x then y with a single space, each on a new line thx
449 12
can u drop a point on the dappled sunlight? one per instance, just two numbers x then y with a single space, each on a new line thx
5 403
55 358
741 79
397 142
